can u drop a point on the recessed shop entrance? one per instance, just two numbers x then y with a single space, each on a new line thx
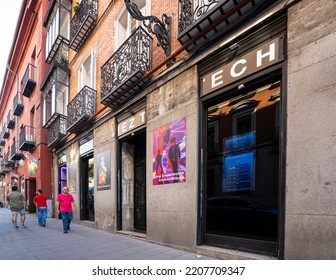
132 190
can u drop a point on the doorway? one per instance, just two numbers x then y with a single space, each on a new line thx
30 194
87 189
133 182
243 170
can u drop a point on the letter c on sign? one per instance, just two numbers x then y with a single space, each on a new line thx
233 72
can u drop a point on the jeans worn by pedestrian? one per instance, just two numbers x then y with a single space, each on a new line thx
66 219
42 215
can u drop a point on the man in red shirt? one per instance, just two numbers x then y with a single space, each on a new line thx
40 200
65 202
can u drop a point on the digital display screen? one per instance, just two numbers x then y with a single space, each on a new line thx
239 163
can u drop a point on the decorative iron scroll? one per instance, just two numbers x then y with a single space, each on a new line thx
203 6
191 10
161 29
132 57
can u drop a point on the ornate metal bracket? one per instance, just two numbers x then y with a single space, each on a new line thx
161 29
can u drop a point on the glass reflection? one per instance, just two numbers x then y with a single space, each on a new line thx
243 165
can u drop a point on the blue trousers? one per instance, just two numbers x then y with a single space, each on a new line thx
42 215
66 219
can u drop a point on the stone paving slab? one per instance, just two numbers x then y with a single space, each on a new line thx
81 243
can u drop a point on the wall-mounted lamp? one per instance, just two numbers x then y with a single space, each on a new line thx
161 29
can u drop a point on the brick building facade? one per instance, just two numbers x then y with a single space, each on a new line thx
212 134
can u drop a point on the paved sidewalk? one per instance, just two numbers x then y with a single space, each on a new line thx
81 243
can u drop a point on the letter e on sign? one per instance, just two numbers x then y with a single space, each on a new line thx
132 122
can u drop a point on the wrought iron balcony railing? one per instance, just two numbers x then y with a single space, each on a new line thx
5 132
17 105
27 140
126 66
15 153
10 120
61 55
82 23
28 82
7 161
81 108
57 130
3 168
57 22
213 17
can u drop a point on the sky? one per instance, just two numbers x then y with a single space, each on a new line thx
8 17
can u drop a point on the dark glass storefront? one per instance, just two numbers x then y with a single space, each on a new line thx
242 169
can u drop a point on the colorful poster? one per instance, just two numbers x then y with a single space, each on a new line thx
103 163
169 153
32 166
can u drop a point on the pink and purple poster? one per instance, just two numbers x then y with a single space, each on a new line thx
169 153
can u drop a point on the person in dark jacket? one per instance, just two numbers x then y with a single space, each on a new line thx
17 204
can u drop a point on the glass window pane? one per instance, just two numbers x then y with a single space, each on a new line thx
243 166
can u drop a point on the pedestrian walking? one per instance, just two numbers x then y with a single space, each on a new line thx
65 204
17 204
40 201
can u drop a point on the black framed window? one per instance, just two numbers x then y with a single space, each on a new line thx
242 169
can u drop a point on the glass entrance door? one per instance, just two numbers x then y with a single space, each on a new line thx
87 189
242 191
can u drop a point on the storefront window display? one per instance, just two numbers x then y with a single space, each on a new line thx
243 165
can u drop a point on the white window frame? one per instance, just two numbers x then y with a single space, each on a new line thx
54 30
81 70
120 38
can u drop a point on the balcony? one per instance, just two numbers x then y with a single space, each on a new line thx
27 139
8 162
17 105
15 153
2 172
81 108
82 23
55 89
61 55
56 131
57 24
3 169
214 17
125 68
5 132
28 82
10 120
